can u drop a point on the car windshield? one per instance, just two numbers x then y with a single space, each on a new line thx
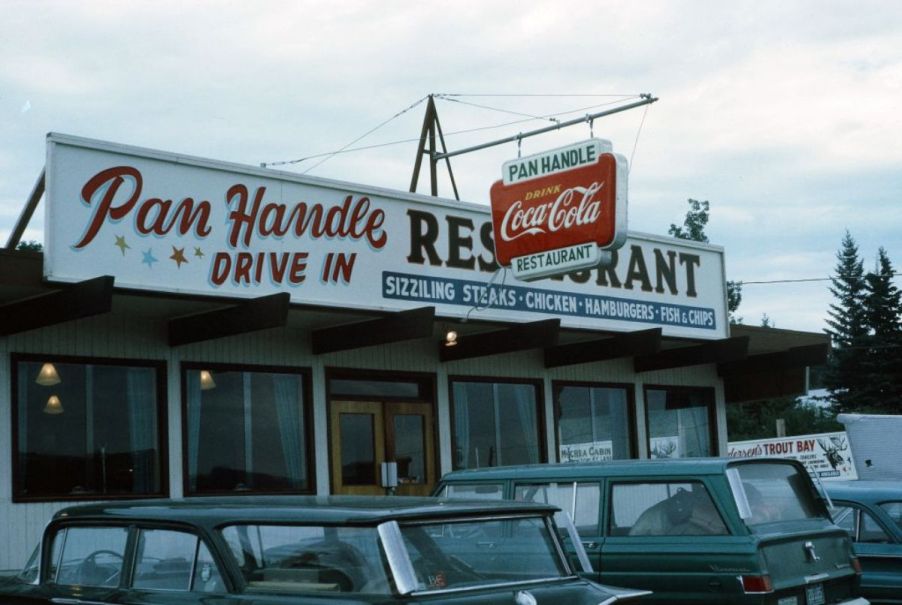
894 510
466 554
771 492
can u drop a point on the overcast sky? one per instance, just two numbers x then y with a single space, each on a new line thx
786 116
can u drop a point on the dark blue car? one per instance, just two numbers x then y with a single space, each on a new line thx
871 511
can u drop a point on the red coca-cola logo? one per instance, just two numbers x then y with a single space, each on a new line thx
562 209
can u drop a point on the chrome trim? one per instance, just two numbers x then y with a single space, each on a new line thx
524 597
856 601
64 601
634 594
398 557
742 501
816 577
810 550
581 555
492 586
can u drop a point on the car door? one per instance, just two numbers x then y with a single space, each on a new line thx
86 563
877 551
668 536
580 499
172 566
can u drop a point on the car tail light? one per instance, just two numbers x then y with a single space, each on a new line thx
856 565
756 584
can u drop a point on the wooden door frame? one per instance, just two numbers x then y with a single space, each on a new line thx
428 395
377 410
394 408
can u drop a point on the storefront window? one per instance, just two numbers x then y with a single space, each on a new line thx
495 423
593 423
247 430
680 422
87 429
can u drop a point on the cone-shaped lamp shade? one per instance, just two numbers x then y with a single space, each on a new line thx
54 405
206 380
48 375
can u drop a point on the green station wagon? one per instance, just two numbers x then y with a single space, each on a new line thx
719 531
297 551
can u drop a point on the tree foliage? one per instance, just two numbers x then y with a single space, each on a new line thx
693 228
30 246
758 419
864 373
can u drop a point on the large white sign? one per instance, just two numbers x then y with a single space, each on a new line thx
826 455
164 222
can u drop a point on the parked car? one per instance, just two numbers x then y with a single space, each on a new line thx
272 551
691 530
871 511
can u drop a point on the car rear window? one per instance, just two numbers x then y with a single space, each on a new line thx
771 492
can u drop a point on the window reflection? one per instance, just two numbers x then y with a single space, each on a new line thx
495 424
87 429
246 431
679 424
594 423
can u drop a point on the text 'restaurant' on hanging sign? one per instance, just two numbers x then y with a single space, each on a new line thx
167 222
556 211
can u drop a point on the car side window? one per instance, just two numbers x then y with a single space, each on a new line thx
473 491
174 560
844 517
870 531
894 510
582 506
89 556
859 524
664 509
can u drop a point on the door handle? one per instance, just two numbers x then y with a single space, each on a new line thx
590 545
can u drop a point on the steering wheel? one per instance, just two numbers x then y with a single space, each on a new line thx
89 571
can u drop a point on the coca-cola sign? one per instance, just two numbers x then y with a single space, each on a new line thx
554 212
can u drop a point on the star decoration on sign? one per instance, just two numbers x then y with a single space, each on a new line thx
120 243
178 255
149 259
198 252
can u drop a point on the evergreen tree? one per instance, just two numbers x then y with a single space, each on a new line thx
848 330
882 308
693 228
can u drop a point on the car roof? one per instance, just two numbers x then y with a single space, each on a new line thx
293 509
609 468
865 491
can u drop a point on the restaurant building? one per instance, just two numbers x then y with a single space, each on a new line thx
196 328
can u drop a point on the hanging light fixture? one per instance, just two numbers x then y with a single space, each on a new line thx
451 338
48 376
206 380
54 405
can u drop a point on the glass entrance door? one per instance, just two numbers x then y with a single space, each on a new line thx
367 433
